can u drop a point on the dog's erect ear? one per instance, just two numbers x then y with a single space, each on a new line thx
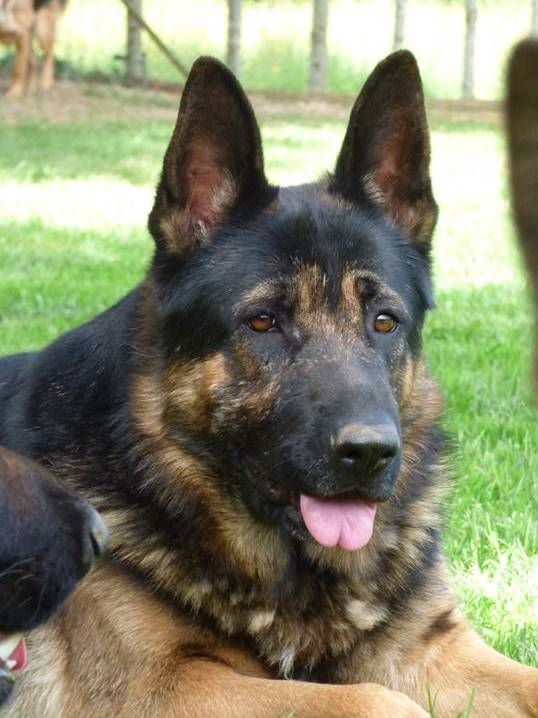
214 161
385 157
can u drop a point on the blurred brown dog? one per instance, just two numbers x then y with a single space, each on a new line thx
20 22
522 125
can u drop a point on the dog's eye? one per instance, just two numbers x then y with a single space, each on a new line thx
262 323
385 323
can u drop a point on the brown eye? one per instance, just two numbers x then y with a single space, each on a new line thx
385 324
262 323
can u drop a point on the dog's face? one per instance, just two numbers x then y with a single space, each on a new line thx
291 318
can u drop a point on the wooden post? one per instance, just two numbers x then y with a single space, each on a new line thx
136 70
233 54
534 26
318 54
399 25
471 12
166 51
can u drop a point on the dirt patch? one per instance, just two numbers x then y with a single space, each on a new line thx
76 101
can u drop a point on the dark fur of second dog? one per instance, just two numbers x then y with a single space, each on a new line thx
255 408
48 541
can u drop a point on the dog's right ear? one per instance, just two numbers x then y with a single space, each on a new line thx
213 164
385 158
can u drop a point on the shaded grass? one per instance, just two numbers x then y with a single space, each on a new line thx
73 241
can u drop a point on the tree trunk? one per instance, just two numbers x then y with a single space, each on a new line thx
534 27
399 24
318 54
233 54
136 70
471 12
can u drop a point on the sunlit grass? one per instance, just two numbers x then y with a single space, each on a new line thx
276 38
73 241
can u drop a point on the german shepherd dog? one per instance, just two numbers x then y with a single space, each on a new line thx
20 22
257 426
522 125
48 541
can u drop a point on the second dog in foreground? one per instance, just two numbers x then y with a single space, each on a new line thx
257 425
48 541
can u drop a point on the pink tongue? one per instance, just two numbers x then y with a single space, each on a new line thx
348 524
18 657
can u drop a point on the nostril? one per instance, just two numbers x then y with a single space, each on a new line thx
362 455
350 455
97 537
383 461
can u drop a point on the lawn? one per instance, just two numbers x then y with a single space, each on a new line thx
73 240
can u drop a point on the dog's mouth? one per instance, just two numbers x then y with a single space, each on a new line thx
347 523
12 654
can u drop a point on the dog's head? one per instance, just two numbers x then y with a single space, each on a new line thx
290 318
48 540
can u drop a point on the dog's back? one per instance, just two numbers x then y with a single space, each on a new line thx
22 21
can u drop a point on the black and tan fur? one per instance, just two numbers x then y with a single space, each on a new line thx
22 21
195 432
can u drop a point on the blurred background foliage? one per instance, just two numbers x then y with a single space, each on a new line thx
276 37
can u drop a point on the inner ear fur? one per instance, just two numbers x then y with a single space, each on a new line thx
214 161
385 157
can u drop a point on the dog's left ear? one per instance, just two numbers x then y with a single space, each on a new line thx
385 157
213 164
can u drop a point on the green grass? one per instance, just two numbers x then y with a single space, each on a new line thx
73 240
467 713
276 37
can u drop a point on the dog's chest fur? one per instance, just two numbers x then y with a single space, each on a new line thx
310 619
321 619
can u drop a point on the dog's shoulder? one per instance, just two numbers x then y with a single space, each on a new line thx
46 395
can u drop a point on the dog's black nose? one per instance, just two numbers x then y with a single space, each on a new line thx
96 536
363 452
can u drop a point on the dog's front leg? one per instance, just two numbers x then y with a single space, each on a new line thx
23 44
45 32
210 688
460 663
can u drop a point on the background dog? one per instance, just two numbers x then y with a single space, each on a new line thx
257 423
20 22
48 541
522 125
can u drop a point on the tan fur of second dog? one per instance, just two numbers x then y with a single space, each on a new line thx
20 22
